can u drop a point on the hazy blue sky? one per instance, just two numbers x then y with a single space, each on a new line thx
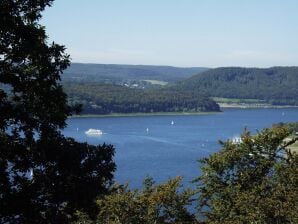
211 33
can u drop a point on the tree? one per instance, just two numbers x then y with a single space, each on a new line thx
44 177
254 181
160 204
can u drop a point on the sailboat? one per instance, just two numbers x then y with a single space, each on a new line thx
172 123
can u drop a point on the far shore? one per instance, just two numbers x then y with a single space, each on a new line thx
222 105
143 114
253 106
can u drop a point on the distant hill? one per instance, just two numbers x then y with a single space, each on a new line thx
113 72
276 85
112 88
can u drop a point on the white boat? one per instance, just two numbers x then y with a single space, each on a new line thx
92 131
236 140
172 123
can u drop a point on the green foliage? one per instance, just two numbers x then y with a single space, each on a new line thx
164 203
254 181
276 85
292 126
52 178
44 177
104 99
47 178
112 73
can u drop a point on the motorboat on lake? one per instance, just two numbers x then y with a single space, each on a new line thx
236 140
94 132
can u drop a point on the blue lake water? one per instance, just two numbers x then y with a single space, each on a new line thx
167 150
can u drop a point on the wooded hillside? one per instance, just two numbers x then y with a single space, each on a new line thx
79 72
99 98
276 85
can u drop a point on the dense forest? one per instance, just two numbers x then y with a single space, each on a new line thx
99 98
78 72
276 85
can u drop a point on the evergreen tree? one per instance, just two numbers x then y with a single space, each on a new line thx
44 177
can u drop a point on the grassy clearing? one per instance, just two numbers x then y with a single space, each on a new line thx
245 103
293 147
156 82
236 100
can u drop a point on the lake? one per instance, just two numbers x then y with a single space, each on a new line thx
152 145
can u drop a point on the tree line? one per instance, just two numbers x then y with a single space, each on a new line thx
98 98
79 72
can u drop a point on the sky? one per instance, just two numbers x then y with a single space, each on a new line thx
184 33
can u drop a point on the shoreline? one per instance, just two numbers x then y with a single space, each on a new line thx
222 106
143 114
253 106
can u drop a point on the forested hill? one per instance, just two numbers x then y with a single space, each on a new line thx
276 85
98 98
78 72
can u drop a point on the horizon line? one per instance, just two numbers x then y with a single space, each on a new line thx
163 65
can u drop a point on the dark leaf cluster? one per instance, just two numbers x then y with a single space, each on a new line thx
44 176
